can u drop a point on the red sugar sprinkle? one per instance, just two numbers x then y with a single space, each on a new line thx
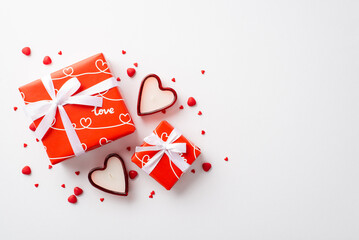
202 71
78 191
226 159
77 173
47 60
203 132
173 80
36 185
15 108
206 166
123 52
181 107
151 196
132 174
32 127
191 101
72 199
135 64
199 113
102 199
63 185
26 51
60 53
118 79
131 72
26 170
50 166
153 193
25 145
37 140
128 148
193 171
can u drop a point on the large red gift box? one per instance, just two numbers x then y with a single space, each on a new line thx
94 126
165 172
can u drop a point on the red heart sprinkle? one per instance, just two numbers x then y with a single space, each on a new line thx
151 196
72 199
118 79
77 173
36 184
15 108
206 166
132 174
173 80
226 159
131 72
78 191
26 170
181 107
203 132
60 53
50 166
32 127
199 113
202 71
26 51
37 140
25 145
153 193
193 171
123 52
128 148
63 185
135 64
102 199
191 101
47 60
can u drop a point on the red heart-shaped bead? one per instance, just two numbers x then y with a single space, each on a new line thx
47 60
191 101
26 170
131 72
26 51
132 174
72 199
78 191
123 52
206 166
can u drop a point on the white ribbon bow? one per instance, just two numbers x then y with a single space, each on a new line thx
172 150
48 108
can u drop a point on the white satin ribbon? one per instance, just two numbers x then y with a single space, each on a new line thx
48 108
172 150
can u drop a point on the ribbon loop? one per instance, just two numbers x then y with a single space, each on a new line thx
48 108
171 149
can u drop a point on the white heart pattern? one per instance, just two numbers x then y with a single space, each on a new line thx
68 71
127 115
101 65
85 122
103 141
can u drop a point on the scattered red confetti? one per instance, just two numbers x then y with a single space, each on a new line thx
15 108
37 140
26 51
151 196
118 79
181 107
131 72
102 199
202 71
60 53
193 171
173 80
135 64
123 52
50 166
72 199
199 113
206 166
77 173
36 185
47 60
128 148
63 185
163 111
153 193
191 101
132 174
25 145
226 159
78 191
203 132
26 170
32 127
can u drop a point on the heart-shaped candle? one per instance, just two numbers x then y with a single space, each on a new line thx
153 97
112 178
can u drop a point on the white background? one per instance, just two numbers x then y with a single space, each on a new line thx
279 98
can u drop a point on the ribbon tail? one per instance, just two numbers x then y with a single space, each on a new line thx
70 132
152 163
178 161
46 122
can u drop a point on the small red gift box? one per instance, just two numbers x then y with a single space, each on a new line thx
165 155
77 108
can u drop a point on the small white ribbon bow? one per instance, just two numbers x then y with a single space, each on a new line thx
172 150
48 108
